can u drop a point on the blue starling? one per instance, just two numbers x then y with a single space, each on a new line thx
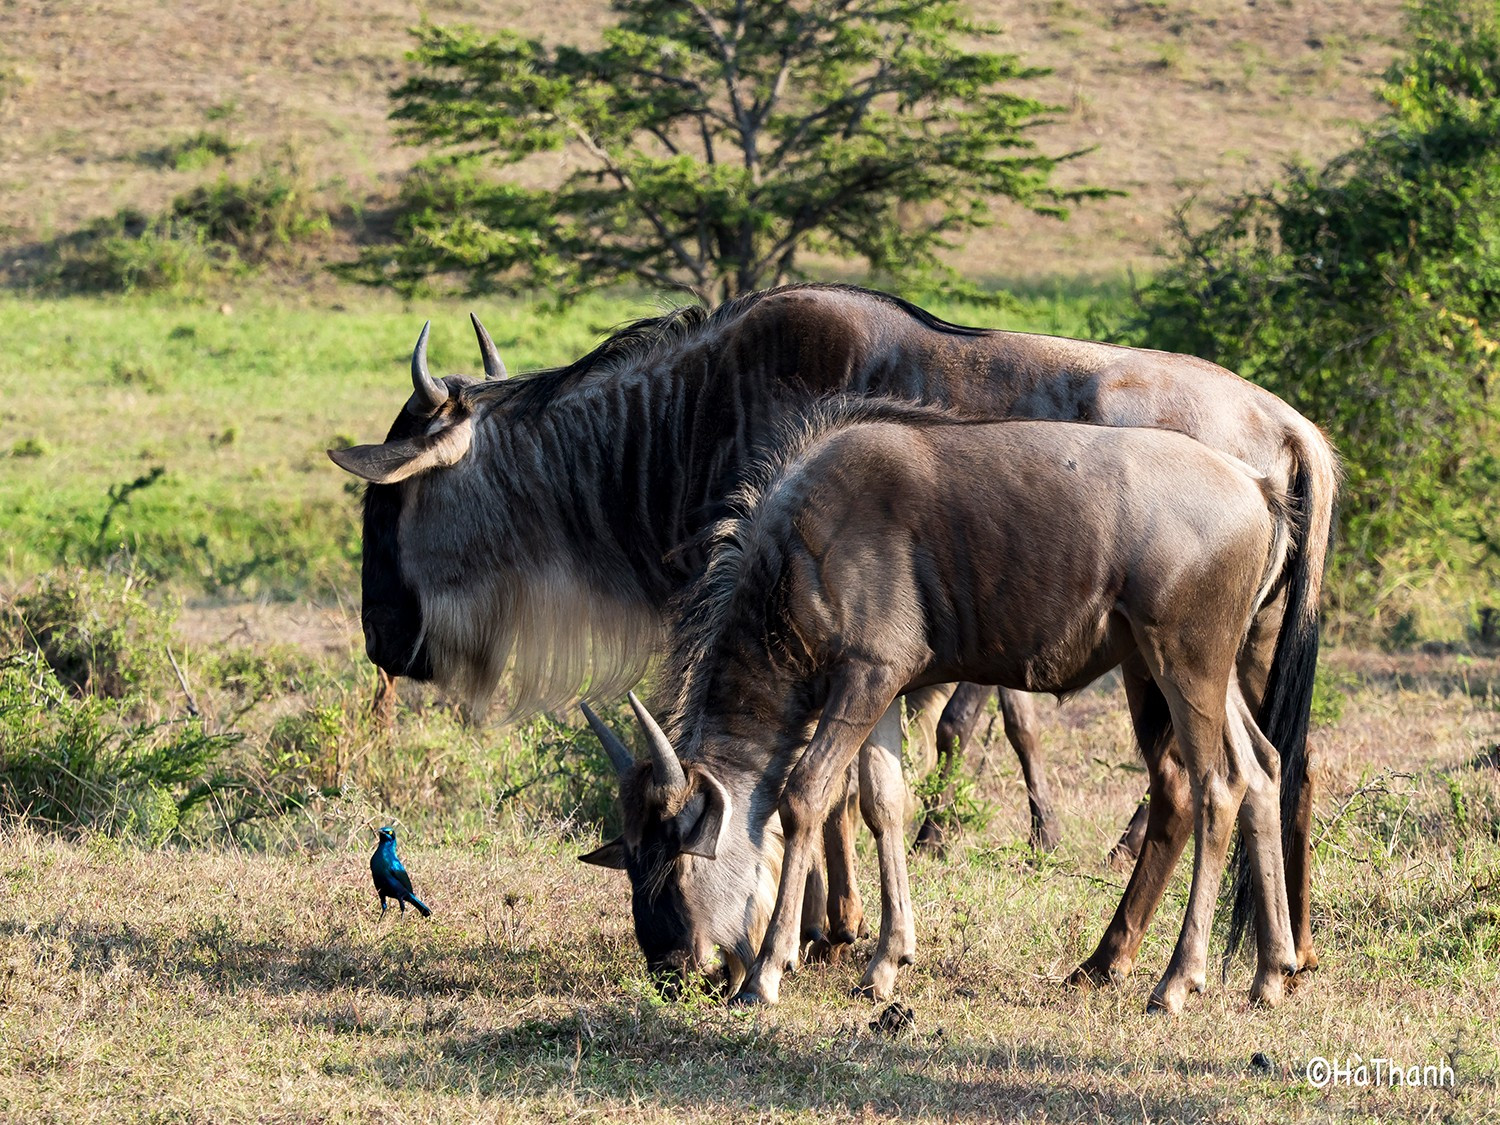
391 879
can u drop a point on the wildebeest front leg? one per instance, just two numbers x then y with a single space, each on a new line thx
815 902
1123 855
954 728
882 800
857 698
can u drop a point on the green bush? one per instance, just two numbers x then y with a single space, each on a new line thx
256 218
74 763
99 636
129 253
211 231
1367 293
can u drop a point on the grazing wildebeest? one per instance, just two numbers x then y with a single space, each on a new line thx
546 522
893 547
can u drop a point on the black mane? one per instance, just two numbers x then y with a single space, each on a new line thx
530 395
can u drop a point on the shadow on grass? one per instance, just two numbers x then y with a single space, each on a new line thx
401 963
721 1065
1476 676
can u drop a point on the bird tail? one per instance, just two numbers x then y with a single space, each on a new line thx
421 906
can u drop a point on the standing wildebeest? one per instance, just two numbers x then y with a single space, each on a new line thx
894 547
546 522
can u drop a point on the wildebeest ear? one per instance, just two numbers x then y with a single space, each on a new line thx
611 853
703 837
396 460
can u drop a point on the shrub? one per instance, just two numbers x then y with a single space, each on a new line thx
128 253
1365 293
197 151
213 230
75 763
99 636
270 212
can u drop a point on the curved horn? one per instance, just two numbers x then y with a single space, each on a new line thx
432 393
665 767
494 366
619 754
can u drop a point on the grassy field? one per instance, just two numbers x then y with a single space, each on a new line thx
221 984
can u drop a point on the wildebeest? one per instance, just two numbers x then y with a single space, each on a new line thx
894 547
545 523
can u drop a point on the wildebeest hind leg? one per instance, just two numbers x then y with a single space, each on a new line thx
845 912
1168 822
882 800
1199 721
1254 668
1260 828
1299 873
1018 709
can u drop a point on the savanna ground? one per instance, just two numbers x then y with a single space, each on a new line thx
231 965
227 984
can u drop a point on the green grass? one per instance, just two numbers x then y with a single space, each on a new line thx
237 410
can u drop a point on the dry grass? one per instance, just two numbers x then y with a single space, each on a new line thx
202 986
1179 97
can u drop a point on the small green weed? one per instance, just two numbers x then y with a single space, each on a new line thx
203 148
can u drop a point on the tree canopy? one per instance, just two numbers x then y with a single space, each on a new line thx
710 145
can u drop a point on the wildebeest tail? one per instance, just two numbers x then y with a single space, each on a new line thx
1286 706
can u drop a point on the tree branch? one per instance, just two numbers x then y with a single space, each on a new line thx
623 178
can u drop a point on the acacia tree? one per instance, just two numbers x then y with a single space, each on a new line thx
711 144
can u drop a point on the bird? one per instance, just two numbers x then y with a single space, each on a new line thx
391 879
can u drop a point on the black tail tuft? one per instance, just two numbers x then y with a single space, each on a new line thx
1286 708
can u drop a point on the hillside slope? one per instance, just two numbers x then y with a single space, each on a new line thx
1179 97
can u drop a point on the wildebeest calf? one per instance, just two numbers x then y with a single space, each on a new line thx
892 547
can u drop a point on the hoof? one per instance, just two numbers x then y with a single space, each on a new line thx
825 952
1307 961
1268 993
895 1020
1090 976
1164 1005
1299 982
1045 835
932 838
